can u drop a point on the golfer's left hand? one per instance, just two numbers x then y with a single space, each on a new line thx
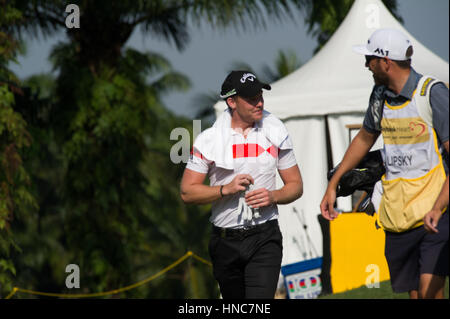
431 220
259 198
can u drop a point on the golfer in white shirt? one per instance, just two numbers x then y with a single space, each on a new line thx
241 154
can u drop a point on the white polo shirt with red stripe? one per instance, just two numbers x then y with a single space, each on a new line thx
254 155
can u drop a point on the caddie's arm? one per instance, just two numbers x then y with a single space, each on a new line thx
359 147
193 191
431 219
291 190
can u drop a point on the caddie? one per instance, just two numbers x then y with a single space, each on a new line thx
410 111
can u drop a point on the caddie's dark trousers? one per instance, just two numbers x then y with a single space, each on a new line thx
246 263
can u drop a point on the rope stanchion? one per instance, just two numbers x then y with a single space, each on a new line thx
12 293
115 291
202 260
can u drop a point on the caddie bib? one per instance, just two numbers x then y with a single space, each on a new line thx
414 170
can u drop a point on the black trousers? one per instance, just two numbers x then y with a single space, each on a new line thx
246 263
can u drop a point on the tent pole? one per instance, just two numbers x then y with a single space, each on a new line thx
328 143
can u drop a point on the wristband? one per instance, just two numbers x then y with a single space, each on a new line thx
221 194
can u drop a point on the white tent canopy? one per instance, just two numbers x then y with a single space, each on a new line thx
321 98
335 79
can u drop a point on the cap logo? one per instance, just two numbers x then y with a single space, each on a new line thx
247 76
228 94
380 51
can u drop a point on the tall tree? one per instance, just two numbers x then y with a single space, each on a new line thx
16 199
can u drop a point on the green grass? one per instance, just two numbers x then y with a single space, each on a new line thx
383 292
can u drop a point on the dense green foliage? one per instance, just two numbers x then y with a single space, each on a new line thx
85 172
16 199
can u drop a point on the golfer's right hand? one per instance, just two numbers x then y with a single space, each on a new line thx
327 205
238 184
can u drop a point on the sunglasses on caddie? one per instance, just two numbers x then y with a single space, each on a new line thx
370 58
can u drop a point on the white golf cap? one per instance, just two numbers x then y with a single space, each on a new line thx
389 43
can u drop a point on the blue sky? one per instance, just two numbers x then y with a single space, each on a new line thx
211 52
